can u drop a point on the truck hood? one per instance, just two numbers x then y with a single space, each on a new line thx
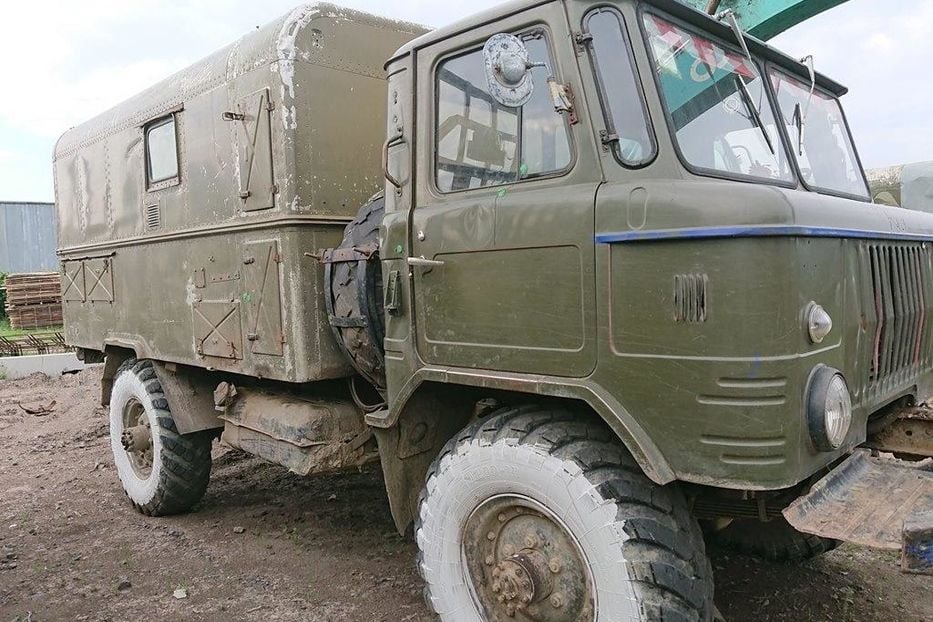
713 209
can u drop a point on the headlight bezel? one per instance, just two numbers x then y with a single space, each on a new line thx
827 390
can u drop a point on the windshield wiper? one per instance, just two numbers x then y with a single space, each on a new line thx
798 122
800 116
755 117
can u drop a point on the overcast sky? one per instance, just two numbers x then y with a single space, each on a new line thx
62 62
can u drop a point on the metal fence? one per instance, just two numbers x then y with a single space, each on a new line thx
28 237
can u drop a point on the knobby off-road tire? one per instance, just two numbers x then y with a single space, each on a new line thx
640 551
355 296
774 540
169 473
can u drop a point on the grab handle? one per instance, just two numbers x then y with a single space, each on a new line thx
425 263
390 142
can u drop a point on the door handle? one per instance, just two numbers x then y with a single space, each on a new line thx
424 263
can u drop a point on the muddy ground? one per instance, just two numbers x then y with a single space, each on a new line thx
267 545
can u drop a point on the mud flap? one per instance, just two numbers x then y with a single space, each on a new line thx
874 502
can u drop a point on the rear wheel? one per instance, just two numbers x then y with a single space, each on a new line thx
541 515
162 472
775 540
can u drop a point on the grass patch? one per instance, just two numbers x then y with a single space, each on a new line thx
6 331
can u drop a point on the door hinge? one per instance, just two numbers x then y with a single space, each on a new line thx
582 40
607 138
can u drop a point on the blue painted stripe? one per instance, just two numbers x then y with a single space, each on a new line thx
756 231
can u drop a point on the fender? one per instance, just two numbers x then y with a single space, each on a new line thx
190 395
632 435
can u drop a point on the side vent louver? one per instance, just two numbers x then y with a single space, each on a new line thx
691 297
153 217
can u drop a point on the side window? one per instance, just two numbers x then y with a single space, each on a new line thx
482 143
627 124
161 151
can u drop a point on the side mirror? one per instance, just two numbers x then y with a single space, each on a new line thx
508 72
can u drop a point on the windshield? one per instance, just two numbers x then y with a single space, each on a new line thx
717 103
826 155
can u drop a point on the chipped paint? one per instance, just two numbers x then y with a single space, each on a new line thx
204 231
286 43
191 292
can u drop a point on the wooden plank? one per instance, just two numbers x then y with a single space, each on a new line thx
33 300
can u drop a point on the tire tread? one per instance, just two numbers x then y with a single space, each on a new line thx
669 567
775 540
186 458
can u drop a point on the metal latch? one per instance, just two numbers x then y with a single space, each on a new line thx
233 116
347 255
393 293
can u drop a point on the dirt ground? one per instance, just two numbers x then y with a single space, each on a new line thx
267 545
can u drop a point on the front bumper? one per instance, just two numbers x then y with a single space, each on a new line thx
873 501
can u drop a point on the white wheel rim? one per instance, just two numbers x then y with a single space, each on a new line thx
555 564
126 388
475 473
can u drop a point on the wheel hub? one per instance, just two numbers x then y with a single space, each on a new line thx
525 565
521 580
136 438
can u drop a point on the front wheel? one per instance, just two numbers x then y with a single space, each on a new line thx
775 540
541 515
162 472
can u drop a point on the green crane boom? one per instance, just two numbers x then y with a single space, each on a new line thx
765 19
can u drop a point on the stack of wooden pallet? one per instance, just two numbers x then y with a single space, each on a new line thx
34 300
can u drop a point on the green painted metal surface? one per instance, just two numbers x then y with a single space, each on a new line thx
765 19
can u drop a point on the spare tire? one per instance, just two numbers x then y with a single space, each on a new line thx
354 303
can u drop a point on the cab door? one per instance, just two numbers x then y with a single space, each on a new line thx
502 232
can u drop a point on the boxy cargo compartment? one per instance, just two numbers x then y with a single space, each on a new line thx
186 212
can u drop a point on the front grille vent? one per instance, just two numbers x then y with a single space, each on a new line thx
691 297
900 277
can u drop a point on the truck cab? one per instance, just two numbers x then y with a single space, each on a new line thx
682 240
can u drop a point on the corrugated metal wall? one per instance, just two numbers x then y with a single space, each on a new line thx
28 237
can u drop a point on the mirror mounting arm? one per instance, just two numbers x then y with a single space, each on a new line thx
561 95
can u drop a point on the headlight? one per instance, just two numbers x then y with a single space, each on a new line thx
818 323
829 409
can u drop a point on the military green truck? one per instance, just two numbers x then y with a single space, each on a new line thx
595 282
